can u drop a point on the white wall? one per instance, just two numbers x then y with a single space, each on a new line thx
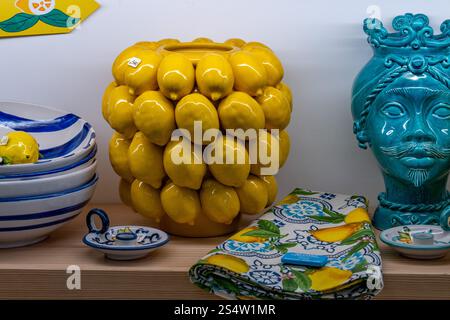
321 44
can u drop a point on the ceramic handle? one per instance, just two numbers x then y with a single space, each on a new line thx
445 219
90 221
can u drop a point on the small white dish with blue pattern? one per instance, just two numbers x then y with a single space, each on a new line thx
418 241
122 242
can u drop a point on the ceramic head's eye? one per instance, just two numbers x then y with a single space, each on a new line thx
442 111
393 110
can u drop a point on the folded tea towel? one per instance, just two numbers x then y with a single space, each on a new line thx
248 265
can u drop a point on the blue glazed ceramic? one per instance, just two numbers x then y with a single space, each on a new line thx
121 242
64 139
401 108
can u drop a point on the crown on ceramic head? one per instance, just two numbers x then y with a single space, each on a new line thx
412 31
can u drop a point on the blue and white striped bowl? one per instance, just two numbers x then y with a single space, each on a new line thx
28 220
63 138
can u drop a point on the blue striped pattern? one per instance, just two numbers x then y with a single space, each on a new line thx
38 226
42 173
69 146
42 215
63 138
52 195
28 125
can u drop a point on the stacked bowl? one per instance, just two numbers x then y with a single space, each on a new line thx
37 198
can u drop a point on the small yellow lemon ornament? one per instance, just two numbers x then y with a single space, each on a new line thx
18 147
196 179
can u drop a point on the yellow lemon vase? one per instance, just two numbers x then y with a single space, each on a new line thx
166 87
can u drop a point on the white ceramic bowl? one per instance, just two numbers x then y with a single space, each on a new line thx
21 188
28 220
63 138
79 165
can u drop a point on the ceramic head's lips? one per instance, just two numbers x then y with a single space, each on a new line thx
417 156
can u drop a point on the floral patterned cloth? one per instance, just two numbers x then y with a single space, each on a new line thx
248 264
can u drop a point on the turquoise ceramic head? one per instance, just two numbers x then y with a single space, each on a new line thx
401 108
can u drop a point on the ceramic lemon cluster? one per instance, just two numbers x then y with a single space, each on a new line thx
167 85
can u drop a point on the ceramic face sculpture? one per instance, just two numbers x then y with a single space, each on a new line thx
401 108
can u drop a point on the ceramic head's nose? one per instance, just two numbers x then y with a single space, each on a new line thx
421 134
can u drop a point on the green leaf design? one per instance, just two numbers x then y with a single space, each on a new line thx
361 266
214 251
57 18
328 219
302 280
262 234
358 235
289 285
283 247
19 22
268 226
361 245
334 214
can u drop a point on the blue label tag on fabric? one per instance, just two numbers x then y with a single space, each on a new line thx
301 259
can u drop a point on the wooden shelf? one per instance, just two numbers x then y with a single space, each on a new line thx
39 271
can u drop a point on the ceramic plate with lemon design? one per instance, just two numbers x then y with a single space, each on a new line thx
56 139
32 17
248 264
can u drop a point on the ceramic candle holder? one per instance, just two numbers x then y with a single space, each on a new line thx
401 108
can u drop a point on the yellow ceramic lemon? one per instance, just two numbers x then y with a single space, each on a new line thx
125 192
277 111
357 215
273 66
18 147
121 111
202 40
266 154
146 161
248 239
255 44
214 76
240 110
328 278
196 107
271 187
168 41
220 203
118 156
146 200
252 195
140 75
232 263
283 87
228 161
154 116
176 76
336 234
181 204
235 42
285 146
250 75
105 100
188 173
136 67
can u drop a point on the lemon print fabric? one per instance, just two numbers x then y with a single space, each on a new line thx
188 115
248 264
18 147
